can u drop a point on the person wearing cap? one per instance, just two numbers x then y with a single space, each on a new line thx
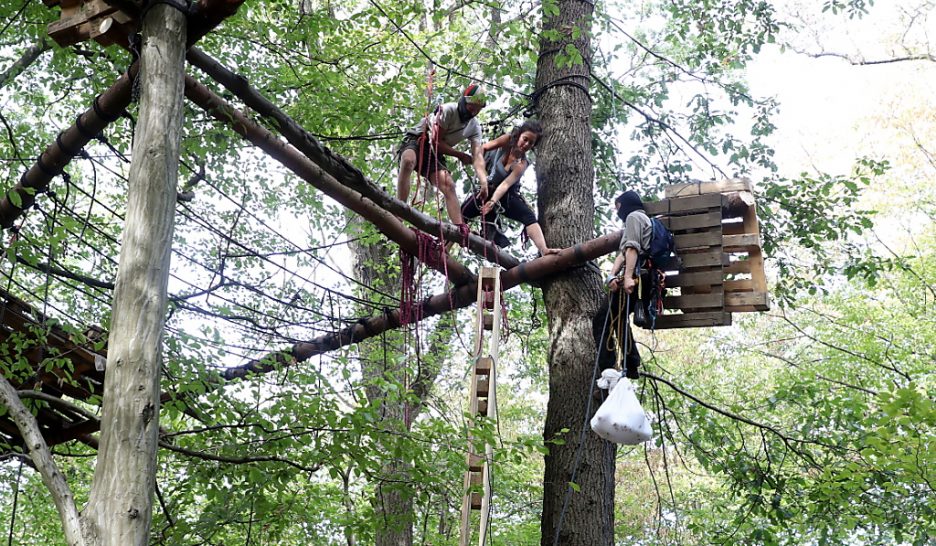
425 146
638 231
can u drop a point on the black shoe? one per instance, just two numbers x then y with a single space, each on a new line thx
493 233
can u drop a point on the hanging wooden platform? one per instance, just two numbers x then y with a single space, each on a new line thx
107 22
59 368
718 238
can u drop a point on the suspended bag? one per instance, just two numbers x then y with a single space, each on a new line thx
620 419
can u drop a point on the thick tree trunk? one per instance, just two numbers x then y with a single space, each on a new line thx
119 510
393 499
565 196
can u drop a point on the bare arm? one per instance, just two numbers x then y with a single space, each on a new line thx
505 185
477 156
498 142
629 259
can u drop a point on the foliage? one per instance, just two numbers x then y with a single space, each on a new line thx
836 390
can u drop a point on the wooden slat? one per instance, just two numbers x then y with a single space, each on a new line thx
694 221
693 320
747 302
712 237
739 267
684 204
483 365
694 301
745 242
713 277
699 188
743 285
703 259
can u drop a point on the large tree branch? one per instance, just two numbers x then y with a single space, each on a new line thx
41 456
107 107
309 171
458 297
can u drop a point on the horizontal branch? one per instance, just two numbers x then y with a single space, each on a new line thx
458 297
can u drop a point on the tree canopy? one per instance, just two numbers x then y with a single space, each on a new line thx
812 424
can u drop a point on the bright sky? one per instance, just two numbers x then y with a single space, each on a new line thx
833 112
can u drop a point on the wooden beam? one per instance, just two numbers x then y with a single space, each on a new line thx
741 302
693 320
685 278
699 188
458 297
703 259
686 241
683 205
695 221
694 301
292 159
744 242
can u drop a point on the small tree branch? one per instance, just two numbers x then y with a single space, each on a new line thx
26 59
42 457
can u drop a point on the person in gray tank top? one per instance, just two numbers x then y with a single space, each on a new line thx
505 162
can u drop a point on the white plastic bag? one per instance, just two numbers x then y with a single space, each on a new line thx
620 419
609 378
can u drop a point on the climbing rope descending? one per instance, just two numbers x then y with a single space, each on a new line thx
578 451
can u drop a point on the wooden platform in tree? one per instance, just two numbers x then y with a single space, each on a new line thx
718 238
38 354
104 21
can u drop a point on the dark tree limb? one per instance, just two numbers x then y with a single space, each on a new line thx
461 296
108 106
28 57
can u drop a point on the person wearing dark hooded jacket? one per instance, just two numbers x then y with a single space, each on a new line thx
638 230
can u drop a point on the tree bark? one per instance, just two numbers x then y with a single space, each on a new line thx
119 510
565 177
393 500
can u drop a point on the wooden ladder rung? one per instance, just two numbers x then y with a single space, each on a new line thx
483 385
488 320
475 462
483 365
489 299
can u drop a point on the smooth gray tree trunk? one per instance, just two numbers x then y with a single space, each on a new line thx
565 178
119 510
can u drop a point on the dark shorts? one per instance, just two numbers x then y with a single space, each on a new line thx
514 207
426 162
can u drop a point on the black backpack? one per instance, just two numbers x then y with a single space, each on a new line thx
662 251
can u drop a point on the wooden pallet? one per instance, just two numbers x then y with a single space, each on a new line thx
79 374
718 238
100 20
482 402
